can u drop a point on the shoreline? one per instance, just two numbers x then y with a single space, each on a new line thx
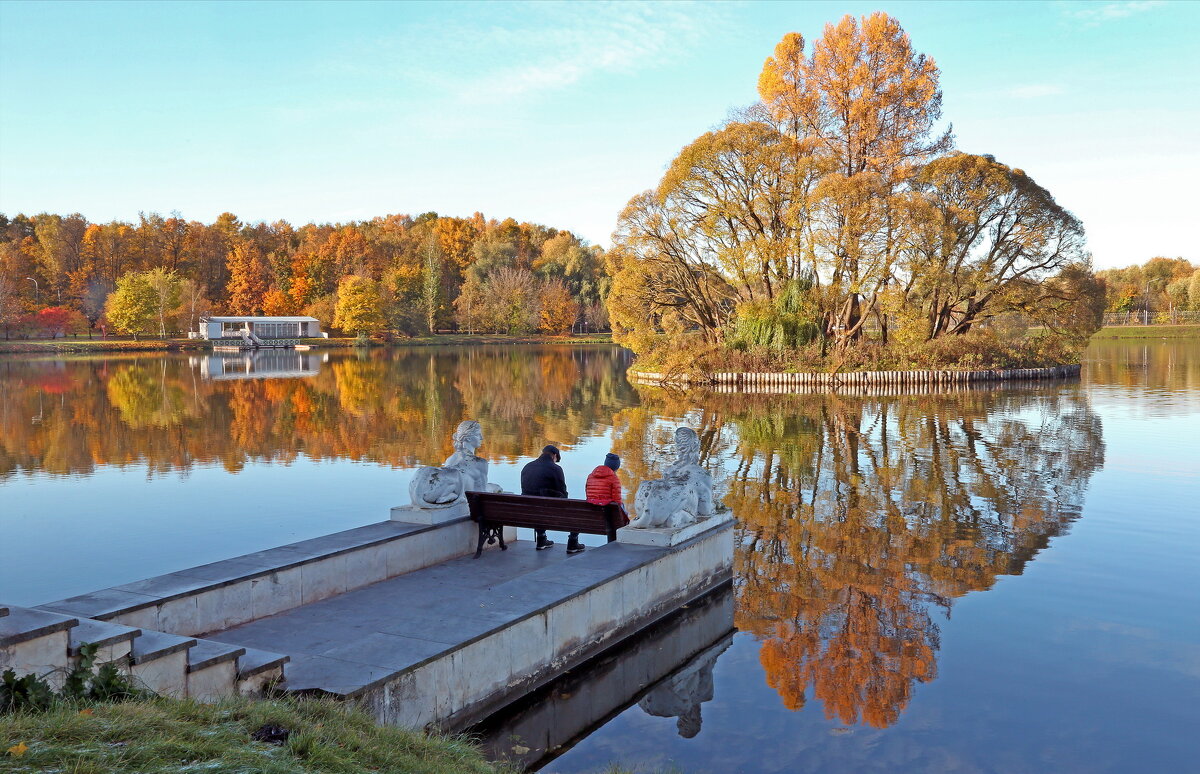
89 346
1147 332
920 377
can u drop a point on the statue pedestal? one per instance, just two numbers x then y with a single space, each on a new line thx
414 515
667 538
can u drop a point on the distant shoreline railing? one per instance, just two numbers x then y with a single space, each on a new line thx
1114 319
859 378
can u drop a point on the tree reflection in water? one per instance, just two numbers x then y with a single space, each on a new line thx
395 408
862 519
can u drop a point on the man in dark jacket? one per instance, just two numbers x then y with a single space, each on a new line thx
544 478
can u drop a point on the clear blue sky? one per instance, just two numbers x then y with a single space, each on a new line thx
554 113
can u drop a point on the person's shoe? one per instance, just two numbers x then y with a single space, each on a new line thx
544 543
575 548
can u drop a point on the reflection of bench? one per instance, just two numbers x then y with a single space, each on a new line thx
495 511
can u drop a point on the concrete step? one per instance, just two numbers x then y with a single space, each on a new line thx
115 641
160 662
23 624
35 641
259 669
212 670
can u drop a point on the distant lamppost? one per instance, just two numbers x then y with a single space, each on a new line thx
37 289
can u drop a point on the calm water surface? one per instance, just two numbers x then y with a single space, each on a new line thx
979 581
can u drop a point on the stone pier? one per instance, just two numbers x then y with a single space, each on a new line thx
394 615
667 670
397 616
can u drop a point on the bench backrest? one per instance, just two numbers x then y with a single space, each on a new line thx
556 513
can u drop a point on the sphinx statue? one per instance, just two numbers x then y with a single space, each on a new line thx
683 496
463 471
681 694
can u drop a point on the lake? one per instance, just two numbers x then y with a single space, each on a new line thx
981 580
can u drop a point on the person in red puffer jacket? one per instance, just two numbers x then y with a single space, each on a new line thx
603 487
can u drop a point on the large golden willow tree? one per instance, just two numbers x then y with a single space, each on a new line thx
841 179
861 521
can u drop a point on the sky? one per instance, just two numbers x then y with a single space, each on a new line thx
554 113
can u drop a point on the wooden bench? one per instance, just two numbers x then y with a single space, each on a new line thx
493 512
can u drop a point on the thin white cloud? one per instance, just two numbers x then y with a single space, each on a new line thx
492 57
586 39
1096 13
1035 90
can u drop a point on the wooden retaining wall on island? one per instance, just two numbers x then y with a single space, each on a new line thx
856 379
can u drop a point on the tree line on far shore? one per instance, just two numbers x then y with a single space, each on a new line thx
1154 290
391 275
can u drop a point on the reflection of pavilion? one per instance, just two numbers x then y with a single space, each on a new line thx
259 364
667 670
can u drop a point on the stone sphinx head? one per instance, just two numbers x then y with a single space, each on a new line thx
687 447
468 437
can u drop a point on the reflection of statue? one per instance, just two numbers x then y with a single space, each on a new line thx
681 694
464 471
682 496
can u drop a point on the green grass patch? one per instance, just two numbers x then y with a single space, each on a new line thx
1148 332
161 736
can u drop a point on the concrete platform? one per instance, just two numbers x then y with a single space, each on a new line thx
222 594
445 645
663 659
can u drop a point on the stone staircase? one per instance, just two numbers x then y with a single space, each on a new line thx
48 643
157 629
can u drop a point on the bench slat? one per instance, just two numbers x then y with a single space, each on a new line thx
553 513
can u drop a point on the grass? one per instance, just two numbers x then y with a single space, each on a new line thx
1148 332
64 346
161 736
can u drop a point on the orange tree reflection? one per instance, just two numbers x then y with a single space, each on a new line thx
861 518
69 417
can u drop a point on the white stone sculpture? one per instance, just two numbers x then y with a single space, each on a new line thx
683 496
463 471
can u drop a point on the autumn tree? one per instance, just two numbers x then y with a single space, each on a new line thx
985 237
512 301
132 307
431 282
558 310
249 278
61 240
471 304
359 306
194 303
166 295
403 286
839 191
9 309
53 320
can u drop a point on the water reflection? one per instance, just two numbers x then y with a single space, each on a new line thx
258 364
667 671
397 408
861 520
